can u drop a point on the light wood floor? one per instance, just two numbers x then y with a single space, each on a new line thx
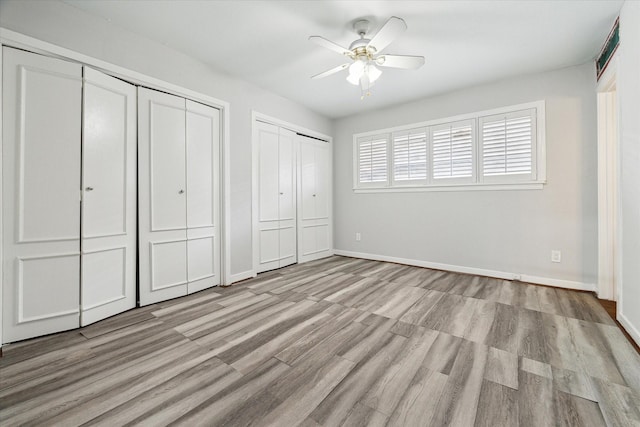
339 341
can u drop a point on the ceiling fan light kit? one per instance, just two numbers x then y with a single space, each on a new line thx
365 54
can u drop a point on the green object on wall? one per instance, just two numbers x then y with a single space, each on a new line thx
608 49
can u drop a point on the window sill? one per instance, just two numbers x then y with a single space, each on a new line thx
537 185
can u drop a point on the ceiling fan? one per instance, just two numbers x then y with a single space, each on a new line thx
366 56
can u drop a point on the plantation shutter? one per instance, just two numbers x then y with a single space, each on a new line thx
373 159
508 145
410 156
452 151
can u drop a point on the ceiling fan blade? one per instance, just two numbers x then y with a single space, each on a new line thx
388 33
331 71
321 41
406 62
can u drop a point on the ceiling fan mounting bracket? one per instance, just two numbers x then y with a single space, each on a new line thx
361 27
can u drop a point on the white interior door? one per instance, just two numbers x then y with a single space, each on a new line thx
109 197
276 197
203 196
268 198
41 194
161 196
314 195
287 198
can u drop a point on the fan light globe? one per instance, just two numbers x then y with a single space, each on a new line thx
373 72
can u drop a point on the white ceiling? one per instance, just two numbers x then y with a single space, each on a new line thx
465 43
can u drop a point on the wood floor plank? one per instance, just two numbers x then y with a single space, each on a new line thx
386 393
337 341
400 302
216 409
418 404
460 397
502 368
304 400
570 411
336 407
572 382
498 406
535 400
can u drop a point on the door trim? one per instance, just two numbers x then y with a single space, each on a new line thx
609 238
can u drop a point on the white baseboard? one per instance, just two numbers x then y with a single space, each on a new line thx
472 270
238 277
631 330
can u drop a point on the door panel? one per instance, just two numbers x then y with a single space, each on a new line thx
169 265
203 196
162 196
314 195
268 172
47 287
109 197
203 142
167 162
307 180
104 278
41 194
200 258
286 205
287 245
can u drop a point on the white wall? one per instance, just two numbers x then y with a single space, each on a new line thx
66 26
628 84
505 231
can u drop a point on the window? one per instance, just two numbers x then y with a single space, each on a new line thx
372 160
494 149
452 151
410 156
508 146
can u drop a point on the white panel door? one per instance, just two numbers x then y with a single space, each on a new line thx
268 196
109 197
287 197
203 196
41 113
162 196
314 197
276 197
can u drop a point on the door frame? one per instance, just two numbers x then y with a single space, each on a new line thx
257 116
18 40
608 131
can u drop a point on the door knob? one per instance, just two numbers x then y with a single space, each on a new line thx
88 189
281 194
314 195
181 192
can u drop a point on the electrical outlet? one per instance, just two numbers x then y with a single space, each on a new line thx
556 255
358 237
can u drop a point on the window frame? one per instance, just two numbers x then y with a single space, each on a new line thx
503 182
356 153
528 177
409 182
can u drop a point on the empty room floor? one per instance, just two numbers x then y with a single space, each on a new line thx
339 341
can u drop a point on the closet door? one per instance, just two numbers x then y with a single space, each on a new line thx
109 197
287 198
269 197
203 197
314 197
162 196
277 197
41 194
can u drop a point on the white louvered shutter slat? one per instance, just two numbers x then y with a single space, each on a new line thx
452 151
372 160
410 156
508 144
